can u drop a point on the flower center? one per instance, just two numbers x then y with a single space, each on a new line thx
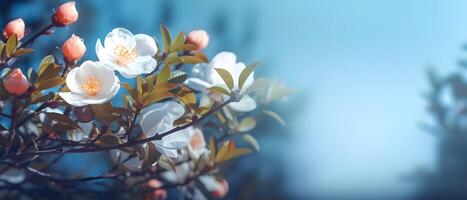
91 86
124 54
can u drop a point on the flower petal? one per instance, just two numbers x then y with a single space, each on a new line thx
119 36
245 104
72 98
197 84
145 45
177 140
159 117
224 60
104 56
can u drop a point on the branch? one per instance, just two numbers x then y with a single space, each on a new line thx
60 150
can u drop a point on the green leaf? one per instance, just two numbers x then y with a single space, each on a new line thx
37 97
139 88
222 152
236 153
163 75
32 75
177 77
11 45
172 59
191 59
44 64
151 155
50 83
61 119
252 141
165 38
219 90
130 89
23 51
187 96
178 42
275 116
247 124
212 147
245 74
226 77
109 140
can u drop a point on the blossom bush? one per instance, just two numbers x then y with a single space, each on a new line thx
161 127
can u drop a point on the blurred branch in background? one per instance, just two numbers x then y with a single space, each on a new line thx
447 104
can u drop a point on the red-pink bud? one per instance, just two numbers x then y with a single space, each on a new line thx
16 83
65 14
154 183
14 27
158 194
221 191
73 49
198 38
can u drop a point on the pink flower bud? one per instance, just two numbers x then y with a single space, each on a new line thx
14 27
73 49
16 83
222 190
198 38
154 183
158 194
65 14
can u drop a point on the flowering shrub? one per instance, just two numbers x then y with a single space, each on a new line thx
171 129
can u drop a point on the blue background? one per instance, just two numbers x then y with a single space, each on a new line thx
353 127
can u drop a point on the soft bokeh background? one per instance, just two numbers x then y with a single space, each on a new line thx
359 67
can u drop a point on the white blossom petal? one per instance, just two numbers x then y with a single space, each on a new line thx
73 98
245 104
145 45
197 84
119 36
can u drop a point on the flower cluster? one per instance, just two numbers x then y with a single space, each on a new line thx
155 131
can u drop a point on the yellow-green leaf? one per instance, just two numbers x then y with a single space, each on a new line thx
23 51
220 90
44 63
178 42
163 75
165 38
275 116
252 141
245 74
226 76
191 59
139 88
61 119
247 124
11 45
49 83
109 140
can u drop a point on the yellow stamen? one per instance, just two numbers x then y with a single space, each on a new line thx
91 86
124 54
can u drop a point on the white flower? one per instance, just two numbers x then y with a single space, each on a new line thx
91 83
179 175
12 175
129 54
133 164
157 119
197 146
205 76
78 135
